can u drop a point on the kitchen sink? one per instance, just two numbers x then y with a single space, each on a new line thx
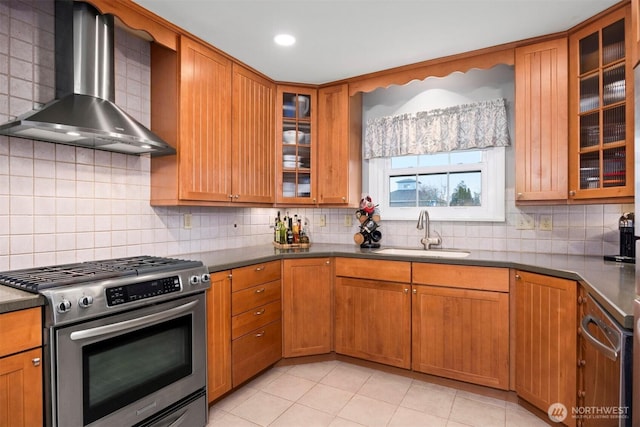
430 253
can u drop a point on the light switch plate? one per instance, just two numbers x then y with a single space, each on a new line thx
186 221
322 221
348 221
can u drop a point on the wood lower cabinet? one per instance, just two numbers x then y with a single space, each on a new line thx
21 368
546 323
373 315
460 323
256 325
542 122
307 300
219 335
339 146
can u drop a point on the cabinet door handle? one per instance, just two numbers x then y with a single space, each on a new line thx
260 268
519 195
260 334
259 291
518 277
259 312
572 193
35 361
415 291
327 262
406 290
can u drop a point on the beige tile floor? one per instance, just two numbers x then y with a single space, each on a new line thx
340 394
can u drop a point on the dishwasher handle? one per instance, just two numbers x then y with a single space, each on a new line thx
610 351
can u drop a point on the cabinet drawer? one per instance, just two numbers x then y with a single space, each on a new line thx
256 351
461 276
389 271
20 330
256 296
251 275
256 318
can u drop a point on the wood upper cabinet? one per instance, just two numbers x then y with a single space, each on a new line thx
219 116
307 302
546 340
204 150
296 145
635 32
541 123
21 368
601 109
460 323
191 110
219 335
339 146
252 148
373 316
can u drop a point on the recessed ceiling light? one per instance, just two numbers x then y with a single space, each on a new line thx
284 39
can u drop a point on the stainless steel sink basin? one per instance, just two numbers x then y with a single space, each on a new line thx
430 253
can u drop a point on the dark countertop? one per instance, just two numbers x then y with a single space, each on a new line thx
612 284
14 299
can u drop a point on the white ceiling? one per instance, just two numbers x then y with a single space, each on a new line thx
337 39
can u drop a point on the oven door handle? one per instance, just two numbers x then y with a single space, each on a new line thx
130 324
611 351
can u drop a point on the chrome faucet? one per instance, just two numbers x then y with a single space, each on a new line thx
423 223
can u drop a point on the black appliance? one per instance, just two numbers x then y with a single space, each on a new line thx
626 225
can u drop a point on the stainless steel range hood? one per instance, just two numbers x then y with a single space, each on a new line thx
84 112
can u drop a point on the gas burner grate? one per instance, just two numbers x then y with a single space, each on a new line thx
40 278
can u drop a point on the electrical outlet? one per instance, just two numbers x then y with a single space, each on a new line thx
348 221
545 223
186 221
322 221
525 222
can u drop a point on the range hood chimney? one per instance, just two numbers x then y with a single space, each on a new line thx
84 113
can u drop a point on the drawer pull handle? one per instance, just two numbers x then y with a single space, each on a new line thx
259 291
260 268
35 361
260 334
259 312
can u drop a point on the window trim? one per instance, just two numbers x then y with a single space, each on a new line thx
492 197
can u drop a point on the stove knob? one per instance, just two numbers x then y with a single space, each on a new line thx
85 301
194 280
63 306
206 278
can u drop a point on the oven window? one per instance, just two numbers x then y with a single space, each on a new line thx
123 369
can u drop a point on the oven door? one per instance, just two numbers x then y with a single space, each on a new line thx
124 368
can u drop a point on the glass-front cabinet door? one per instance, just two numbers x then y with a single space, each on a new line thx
601 116
295 137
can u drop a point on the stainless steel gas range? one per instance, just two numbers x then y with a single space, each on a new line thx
125 341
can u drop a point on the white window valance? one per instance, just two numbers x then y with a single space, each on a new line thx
468 126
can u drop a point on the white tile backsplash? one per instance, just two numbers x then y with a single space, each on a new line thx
66 204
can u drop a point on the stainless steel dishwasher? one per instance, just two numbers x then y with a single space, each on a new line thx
607 359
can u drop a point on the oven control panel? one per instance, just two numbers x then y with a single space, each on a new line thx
138 291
